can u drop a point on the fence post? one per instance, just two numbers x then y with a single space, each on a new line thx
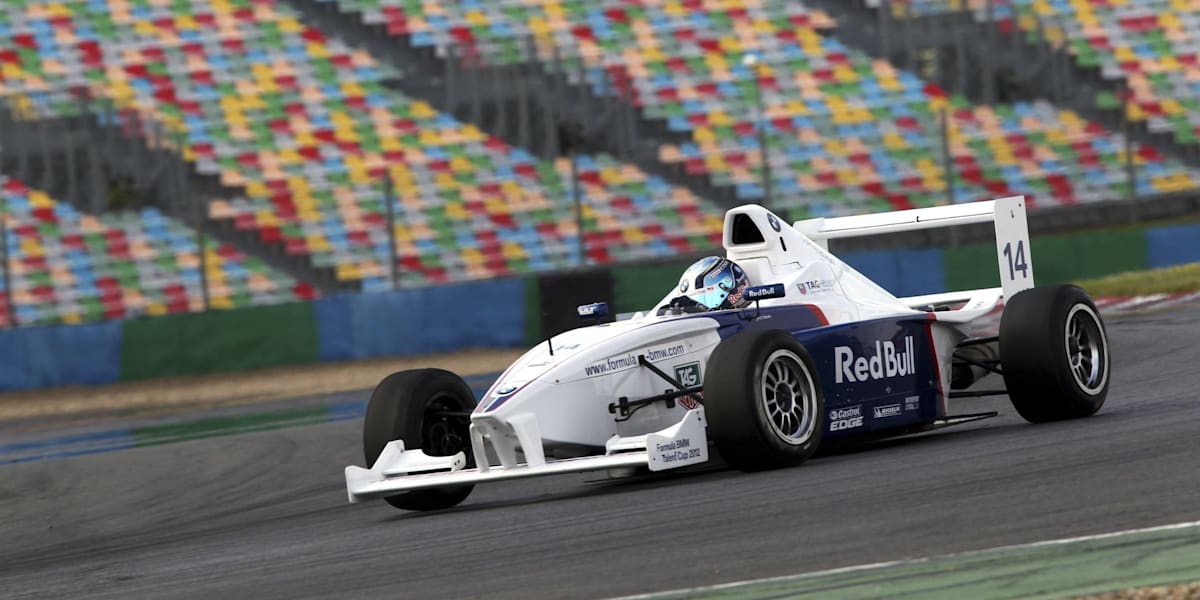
450 78
553 115
46 180
528 75
393 263
579 243
885 46
1130 171
760 127
989 69
8 298
475 80
948 166
21 147
500 98
188 199
948 159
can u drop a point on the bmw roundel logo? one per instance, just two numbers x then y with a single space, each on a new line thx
683 285
506 390
773 222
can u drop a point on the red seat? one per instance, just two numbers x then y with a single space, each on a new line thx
304 291
359 237
295 246
899 201
503 221
269 234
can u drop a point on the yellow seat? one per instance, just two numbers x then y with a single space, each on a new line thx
457 212
223 302
472 256
347 272
513 250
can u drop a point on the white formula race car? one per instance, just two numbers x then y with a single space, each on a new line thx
762 355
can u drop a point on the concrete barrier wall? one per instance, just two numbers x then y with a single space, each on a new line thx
495 313
218 341
37 357
488 314
902 272
1168 246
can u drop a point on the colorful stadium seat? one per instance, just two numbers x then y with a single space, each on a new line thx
846 133
306 127
1154 45
68 267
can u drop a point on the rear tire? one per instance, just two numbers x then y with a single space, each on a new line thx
763 401
1054 354
403 407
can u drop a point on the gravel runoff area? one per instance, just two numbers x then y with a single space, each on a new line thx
58 406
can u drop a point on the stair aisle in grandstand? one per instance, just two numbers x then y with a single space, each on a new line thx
1153 45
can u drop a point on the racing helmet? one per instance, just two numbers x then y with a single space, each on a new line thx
715 283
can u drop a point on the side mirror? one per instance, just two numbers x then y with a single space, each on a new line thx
765 292
595 310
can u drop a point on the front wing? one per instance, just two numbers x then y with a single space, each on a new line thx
398 470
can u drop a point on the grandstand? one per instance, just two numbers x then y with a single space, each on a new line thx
68 267
293 129
303 126
1148 45
846 133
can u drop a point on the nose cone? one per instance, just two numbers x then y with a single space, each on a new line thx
591 356
543 361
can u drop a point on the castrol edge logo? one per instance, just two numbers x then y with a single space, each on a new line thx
885 362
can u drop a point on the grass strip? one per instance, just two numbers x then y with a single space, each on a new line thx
1168 280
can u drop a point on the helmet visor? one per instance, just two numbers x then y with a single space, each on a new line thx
710 297
710 281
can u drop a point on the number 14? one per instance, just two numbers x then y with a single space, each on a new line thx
1016 261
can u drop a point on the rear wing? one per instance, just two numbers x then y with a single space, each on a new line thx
1007 214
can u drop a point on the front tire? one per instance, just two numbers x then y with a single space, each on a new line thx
763 401
1054 354
409 406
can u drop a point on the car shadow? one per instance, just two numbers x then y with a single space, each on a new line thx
716 469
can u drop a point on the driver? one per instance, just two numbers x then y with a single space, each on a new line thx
711 283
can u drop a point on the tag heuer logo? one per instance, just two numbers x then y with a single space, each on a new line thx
689 374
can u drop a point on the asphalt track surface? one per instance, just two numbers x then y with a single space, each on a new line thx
264 514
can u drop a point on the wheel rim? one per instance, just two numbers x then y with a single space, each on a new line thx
1087 349
788 397
441 435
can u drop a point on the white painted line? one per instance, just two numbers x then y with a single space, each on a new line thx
1181 299
1108 301
913 561
1136 301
